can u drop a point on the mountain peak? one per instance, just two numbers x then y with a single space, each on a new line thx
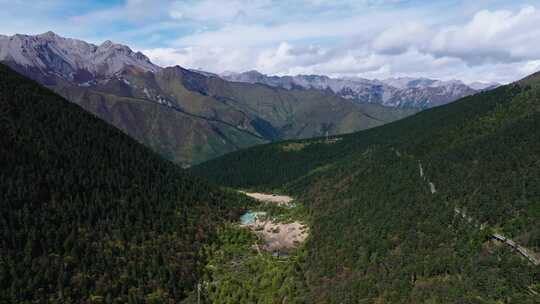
254 73
49 34
404 92
51 53
107 43
252 76
112 46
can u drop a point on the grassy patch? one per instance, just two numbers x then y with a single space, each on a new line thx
293 147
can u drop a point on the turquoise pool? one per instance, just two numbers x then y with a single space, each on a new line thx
250 217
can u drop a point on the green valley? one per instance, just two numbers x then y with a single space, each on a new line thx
189 118
243 268
382 202
269 152
185 116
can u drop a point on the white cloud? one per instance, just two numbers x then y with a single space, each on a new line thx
493 45
134 11
256 35
219 11
473 40
492 36
401 38
215 59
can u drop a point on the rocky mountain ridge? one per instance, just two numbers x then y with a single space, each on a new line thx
48 56
403 92
186 116
72 59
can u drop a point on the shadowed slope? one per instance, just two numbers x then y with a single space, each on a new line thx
87 213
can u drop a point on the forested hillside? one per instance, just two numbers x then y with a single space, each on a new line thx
383 202
187 117
87 214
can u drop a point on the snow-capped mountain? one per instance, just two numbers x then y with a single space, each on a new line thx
484 86
393 92
357 89
71 59
409 82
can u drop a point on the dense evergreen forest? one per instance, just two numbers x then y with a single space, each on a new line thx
382 202
88 215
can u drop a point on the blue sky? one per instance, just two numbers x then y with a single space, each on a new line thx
486 40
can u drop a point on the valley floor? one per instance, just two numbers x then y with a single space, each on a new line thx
269 198
278 235
260 259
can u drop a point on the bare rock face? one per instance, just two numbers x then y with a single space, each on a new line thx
418 93
70 59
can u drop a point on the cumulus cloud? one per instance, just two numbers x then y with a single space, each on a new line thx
487 40
219 11
212 59
401 38
492 36
134 11
492 45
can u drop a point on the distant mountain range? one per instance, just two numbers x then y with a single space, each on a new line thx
186 116
417 93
